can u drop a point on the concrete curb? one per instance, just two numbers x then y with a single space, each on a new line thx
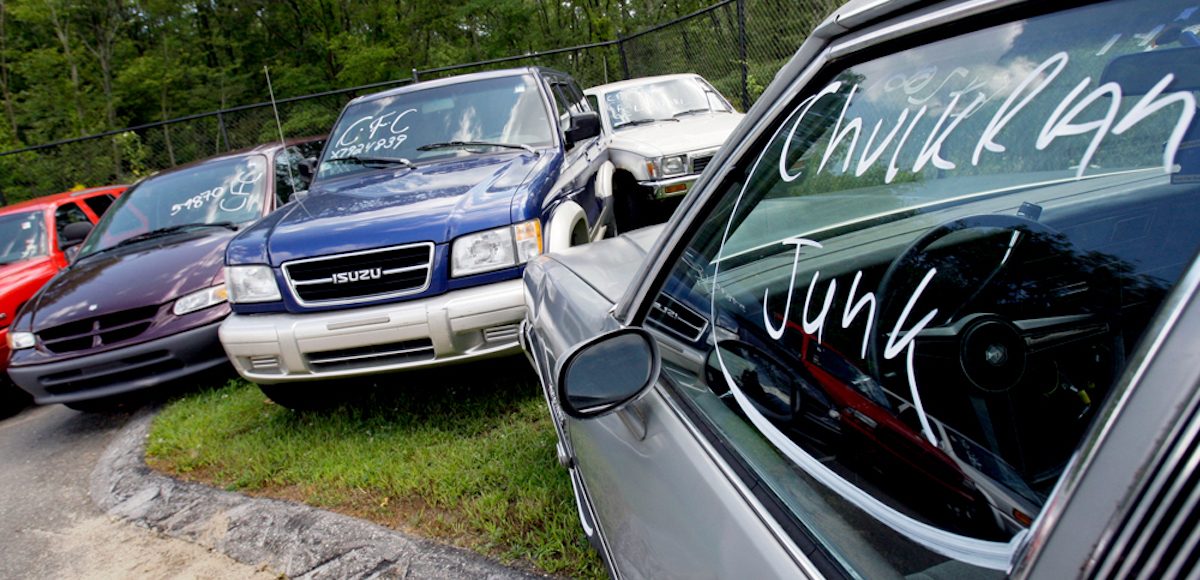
296 540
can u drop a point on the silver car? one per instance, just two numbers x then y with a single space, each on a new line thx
932 313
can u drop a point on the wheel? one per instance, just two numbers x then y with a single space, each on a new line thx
630 203
305 397
1025 338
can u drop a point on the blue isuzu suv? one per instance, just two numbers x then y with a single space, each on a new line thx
408 249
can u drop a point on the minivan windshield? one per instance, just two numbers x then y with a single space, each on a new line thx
22 236
229 191
507 111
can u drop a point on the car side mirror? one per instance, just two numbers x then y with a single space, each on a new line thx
74 234
601 375
584 125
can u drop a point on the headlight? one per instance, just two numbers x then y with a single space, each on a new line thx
20 340
496 249
251 284
674 165
202 299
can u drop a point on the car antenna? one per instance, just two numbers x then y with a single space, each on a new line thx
279 125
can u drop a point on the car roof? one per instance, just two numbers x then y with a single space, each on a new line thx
463 78
267 149
58 198
638 81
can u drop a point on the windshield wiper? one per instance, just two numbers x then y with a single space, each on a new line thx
643 122
160 232
369 161
465 144
692 112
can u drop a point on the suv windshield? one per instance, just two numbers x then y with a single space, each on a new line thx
659 100
226 191
926 279
505 111
22 236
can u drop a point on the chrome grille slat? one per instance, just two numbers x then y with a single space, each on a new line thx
392 271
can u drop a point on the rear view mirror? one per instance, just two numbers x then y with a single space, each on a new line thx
74 234
602 374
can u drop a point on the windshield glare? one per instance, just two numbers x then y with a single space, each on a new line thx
661 100
503 110
230 190
22 236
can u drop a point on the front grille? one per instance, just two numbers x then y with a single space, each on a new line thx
98 330
699 163
128 369
373 355
361 276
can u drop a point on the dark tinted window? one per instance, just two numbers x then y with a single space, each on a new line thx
919 290
67 214
99 203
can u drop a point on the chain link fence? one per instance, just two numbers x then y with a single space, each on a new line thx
738 45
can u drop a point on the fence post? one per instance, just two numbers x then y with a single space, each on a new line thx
224 133
624 59
741 20
416 79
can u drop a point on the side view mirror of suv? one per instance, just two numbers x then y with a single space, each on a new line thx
583 126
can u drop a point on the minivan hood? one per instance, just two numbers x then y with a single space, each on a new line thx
690 133
145 274
432 202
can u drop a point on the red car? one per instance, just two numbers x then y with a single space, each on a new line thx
32 245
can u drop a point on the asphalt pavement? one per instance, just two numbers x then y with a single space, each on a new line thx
78 501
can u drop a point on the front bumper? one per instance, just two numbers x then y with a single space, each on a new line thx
671 187
132 368
468 324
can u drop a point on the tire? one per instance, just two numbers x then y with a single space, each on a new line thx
308 397
630 203
12 398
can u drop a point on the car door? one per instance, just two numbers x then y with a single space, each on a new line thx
881 354
582 159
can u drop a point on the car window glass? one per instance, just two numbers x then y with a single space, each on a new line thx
288 179
918 289
662 99
99 203
22 236
67 214
229 190
506 110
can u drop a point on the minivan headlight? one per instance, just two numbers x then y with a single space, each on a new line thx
200 300
496 249
251 284
21 340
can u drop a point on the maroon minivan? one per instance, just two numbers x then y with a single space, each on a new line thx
140 303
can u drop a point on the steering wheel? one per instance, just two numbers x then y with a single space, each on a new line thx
1014 364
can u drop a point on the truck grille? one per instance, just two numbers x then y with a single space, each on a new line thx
699 163
98 330
361 276
373 355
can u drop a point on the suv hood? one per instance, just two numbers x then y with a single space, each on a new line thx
144 274
434 202
690 133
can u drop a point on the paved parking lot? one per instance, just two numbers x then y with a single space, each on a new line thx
49 524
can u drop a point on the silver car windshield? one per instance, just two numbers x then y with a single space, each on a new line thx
509 112
923 283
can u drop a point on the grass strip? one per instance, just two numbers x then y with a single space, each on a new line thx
464 455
